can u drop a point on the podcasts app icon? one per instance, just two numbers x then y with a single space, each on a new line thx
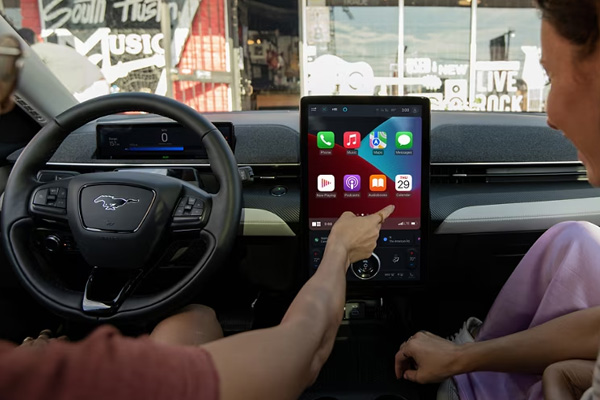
352 183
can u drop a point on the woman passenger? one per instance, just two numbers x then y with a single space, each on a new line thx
546 319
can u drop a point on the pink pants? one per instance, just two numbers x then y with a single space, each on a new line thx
558 275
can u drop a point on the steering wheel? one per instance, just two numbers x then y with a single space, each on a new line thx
119 219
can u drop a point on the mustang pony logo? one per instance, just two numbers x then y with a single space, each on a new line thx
111 203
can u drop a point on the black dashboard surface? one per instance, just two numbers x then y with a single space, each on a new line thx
271 137
465 146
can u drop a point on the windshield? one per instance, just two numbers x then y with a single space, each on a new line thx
229 55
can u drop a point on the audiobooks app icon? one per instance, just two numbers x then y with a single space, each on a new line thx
377 183
326 183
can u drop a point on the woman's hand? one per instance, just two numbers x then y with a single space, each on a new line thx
567 379
426 358
357 236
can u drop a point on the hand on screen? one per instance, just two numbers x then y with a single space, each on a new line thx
358 235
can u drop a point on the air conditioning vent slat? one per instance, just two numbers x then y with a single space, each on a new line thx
499 173
29 110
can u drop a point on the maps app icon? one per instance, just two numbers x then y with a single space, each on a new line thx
378 139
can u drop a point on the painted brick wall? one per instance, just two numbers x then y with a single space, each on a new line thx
30 14
205 50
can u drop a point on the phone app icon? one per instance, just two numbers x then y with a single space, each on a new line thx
326 183
378 183
404 140
378 139
403 183
325 140
351 140
352 183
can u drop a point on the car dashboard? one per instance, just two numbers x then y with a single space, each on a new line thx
489 173
495 178
497 181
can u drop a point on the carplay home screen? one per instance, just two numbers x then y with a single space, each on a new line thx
362 161
362 158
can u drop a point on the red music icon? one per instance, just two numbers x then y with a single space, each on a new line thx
351 140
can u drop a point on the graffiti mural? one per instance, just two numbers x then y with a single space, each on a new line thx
123 38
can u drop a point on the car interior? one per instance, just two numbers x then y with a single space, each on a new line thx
233 235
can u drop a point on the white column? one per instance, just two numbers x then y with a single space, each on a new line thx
473 53
302 46
400 47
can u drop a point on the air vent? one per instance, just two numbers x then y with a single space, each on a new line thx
509 172
30 110
275 172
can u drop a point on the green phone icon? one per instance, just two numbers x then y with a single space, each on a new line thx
325 140
404 140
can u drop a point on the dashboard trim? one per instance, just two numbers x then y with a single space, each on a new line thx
491 164
532 216
179 164
258 222
162 165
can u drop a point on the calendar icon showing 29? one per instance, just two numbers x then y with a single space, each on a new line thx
403 183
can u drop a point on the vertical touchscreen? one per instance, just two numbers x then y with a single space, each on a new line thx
360 158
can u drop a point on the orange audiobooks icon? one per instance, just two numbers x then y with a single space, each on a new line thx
378 183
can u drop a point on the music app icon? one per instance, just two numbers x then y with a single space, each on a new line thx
352 140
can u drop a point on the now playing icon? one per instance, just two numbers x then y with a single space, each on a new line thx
352 183
326 183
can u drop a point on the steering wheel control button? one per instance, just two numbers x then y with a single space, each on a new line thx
188 207
52 243
40 197
46 201
189 214
115 208
62 193
366 269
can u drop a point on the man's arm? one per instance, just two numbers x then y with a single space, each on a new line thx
279 362
571 336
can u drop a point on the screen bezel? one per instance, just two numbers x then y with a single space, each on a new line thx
305 102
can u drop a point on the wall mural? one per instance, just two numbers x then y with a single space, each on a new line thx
123 38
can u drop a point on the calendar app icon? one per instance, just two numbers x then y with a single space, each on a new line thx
403 183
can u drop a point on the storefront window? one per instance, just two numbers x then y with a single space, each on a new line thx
351 49
270 43
508 74
226 55
436 56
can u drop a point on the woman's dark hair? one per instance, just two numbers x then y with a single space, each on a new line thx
575 20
